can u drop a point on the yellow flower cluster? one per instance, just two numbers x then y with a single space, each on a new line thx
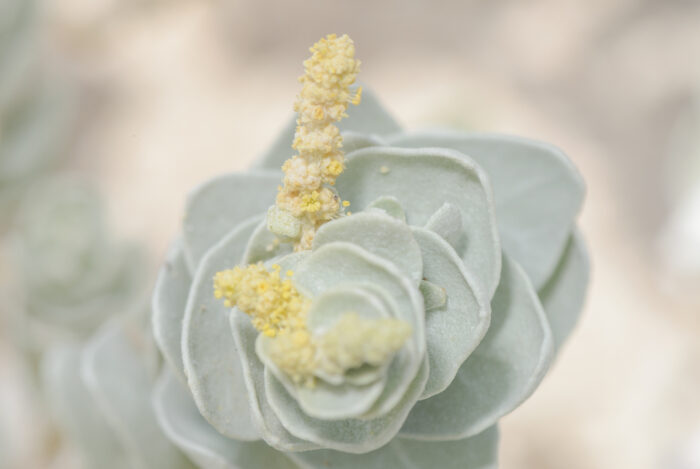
273 303
279 311
352 342
307 194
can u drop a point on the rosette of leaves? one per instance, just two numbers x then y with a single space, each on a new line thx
70 272
469 238
36 107
98 395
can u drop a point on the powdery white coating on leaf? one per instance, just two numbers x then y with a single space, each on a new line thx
454 329
564 293
351 435
538 191
342 263
210 356
390 206
422 180
447 222
269 425
477 452
264 245
219 205
187 429
168 305
499 375
379 234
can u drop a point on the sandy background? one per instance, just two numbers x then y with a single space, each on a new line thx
174 92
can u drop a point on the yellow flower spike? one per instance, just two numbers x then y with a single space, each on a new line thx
323 100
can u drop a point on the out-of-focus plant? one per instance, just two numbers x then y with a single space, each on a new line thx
70 273
99 395
37 108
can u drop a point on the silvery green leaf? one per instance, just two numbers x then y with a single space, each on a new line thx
537 189
332 398
210 358
116 375
264 245
356 141
423 180
331 305
351 435
369 117
564 293
342 263
183 424
267 421
500 374
220 204
333 403
447 222
391 206
379 234
75 410
477 452
169 302
365 300
455 329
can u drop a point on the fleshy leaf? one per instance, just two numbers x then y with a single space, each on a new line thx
454 330
183 424
342 263
500 374
268 423
423 180
264 245
369 117
391 206
477 452
353 141
76 412
114 371
537 189
379 234
564 293
351 435
447 222
328 402
328 307
212 364
334 399
169 303
220 204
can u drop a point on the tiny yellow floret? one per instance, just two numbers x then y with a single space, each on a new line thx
308 176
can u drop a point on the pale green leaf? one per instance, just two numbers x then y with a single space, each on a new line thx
500 374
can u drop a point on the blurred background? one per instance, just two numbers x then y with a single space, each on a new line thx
167 93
